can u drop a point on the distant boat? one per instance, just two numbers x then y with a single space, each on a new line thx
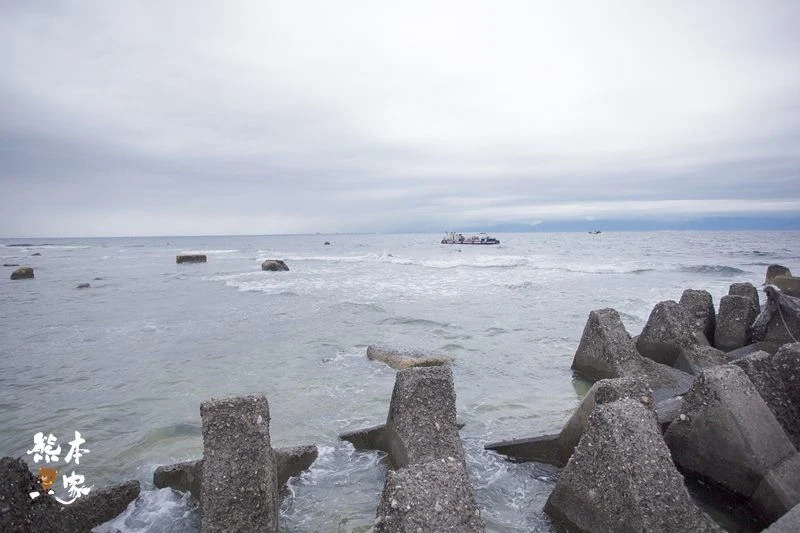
595 232
458 238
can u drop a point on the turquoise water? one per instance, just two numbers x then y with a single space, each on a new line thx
128 361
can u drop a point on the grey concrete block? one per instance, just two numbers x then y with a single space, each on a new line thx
700 307
239 489
669 329
735 318
788 523
779 491
621 478
726 434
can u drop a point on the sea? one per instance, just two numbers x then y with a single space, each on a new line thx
127 361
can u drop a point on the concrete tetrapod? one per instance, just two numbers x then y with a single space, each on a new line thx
429 488
727 435
621 478
240 476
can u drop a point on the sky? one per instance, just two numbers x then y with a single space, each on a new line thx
212 118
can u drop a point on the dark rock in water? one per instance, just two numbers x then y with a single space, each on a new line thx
399 359
10 264
779 491
774 271
83 286
22 273
787 363
193 258
433 496
188 475
788 523
668 330
700 307
35 254
734 321
762 371
20 513
621 478
694 359
274 265
237 455
327 243
726 434
606 350
747 290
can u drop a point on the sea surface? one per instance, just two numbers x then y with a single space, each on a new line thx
127 361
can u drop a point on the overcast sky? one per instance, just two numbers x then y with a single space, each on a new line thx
132 118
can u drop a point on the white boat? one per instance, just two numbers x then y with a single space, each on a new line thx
458 238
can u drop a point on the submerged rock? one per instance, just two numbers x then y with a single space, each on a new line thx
191 258
274 265
24 272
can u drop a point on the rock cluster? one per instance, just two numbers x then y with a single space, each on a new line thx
693 396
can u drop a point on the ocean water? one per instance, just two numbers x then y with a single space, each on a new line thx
128 361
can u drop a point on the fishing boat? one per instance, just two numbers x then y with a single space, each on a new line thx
458 238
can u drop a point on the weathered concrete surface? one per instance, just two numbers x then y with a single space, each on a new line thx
274 265
736 315
787 363
371 438
99 506
667 411
240 479
606 350
784 326
727 435
557 449
20 513
669 329
23 272
696 358
788 523
779 491
543 449
191 258
621 478
185 477
699 306
788 285
188 475
738 353
764 374
293 460
433 496
747 290
399 359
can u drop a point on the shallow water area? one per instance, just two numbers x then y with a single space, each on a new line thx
127 361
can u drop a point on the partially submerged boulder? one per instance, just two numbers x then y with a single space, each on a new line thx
19 513
668 330
399 359
734 321
191 258
621 478
700 308
726 434
24 272
765 376
274 265
240 479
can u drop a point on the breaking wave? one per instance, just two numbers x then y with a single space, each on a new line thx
713 269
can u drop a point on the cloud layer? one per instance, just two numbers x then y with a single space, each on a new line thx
276 117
